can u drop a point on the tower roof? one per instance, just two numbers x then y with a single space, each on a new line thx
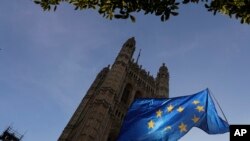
130 41
163 68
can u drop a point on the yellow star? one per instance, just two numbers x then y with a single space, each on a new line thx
167 128
200 108
195 102
195 119
180 109
158 113
183 127
151 124
170 108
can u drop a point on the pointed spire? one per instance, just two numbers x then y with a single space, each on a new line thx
130 42
127 49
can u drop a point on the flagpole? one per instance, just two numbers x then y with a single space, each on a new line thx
137 59
210 92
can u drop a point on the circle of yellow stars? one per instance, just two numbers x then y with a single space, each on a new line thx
182 127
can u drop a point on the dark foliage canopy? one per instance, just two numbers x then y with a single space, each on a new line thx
123 9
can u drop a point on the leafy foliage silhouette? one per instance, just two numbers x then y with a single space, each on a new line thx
123 9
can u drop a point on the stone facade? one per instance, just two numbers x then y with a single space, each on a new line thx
100 114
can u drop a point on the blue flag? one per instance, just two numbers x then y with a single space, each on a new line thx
170 119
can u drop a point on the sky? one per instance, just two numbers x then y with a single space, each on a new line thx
48 60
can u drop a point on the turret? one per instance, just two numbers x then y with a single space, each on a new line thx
101 112
126 52
117 73
162 82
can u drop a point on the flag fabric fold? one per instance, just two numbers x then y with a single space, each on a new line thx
170 119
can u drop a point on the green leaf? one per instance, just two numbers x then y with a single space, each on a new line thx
174 13
117 16
55 8
122 12
185 1
206 6
132 18
167 17
162 18
37 2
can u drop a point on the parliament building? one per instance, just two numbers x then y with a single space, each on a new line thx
100 114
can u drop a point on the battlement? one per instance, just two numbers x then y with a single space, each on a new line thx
141 73
101 112
10 135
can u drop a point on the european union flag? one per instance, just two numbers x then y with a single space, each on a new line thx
170 119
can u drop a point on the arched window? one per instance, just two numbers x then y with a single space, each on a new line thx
126 93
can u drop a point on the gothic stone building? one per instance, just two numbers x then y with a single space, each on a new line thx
100 114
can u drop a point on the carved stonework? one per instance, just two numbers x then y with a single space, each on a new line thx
100 114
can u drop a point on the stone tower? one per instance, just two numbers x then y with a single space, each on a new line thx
100 114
